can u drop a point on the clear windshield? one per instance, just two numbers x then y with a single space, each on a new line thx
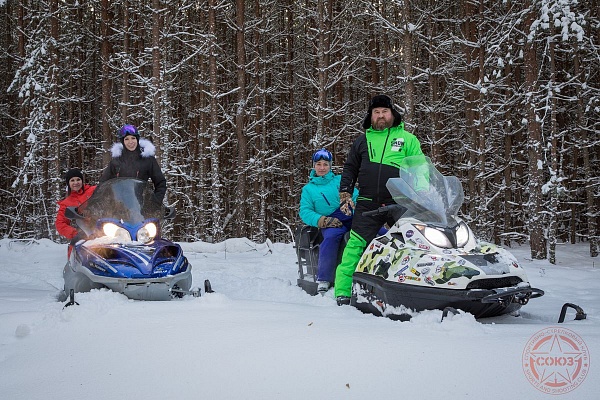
129 200
426 194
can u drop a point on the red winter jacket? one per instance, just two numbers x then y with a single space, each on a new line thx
75 199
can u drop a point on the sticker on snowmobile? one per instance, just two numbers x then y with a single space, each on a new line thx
409 233
375 245
400 271
383 266
452 271
488 247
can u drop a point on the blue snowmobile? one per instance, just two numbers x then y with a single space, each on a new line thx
123 250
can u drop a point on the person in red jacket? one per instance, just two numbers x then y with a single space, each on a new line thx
77 193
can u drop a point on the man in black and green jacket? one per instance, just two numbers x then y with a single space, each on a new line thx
373 158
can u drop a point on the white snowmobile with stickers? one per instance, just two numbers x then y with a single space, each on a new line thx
430 259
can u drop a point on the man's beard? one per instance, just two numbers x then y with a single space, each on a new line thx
381 124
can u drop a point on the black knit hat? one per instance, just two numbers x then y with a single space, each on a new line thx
71 174
381 100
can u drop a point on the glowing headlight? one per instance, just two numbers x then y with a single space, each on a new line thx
462 235
437 238
146 233
115 231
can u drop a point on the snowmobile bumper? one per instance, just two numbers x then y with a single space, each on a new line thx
375 295
149 289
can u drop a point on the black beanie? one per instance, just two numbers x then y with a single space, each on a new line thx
381 100
71 174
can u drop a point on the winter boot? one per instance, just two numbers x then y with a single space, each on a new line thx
323 287
343 300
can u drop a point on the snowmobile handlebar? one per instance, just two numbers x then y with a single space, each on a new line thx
386 209
73 213
170 213
380 210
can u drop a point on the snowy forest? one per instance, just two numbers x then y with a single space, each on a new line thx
236 95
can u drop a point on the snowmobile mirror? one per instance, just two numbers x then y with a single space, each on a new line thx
170 212
71 213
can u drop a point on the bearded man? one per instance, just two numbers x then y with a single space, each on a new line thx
373 158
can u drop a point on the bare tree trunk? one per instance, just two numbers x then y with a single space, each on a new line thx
242 195
483 137
105 22
534 146
126 50
322 64
374 53
52 172
471 97
408 57
508 158
554 171
592 208
156 66
215 173
434 90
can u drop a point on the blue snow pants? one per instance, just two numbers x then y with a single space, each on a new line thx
328 250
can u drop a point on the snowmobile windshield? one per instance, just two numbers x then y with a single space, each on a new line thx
129 200
426 194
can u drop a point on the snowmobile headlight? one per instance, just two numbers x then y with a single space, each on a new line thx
115 231
435 236
146 233
462 235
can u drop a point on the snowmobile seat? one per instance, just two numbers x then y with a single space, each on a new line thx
308 239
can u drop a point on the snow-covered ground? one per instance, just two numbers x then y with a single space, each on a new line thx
260 337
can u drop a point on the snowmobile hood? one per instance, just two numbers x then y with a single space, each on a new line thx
133 260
